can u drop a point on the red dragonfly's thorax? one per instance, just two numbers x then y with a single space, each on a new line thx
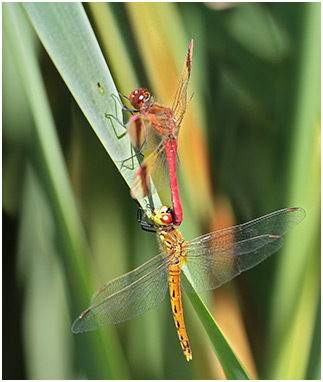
161 116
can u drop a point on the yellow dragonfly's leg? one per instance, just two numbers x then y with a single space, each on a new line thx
176 302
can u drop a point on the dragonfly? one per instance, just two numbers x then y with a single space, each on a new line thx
207 261
153 132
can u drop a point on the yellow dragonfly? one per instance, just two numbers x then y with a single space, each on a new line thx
208 262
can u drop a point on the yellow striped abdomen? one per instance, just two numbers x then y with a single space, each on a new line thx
176 302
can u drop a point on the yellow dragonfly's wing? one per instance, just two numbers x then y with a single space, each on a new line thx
217 257
127 296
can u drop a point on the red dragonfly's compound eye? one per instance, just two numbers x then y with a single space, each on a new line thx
138 97
167 219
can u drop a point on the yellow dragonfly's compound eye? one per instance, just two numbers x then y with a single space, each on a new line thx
167 219
163 216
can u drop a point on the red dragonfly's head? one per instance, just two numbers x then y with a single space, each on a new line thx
139 97
162 216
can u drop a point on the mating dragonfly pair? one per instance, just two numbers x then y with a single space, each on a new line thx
207 261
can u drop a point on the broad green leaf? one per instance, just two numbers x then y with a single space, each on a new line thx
66 34
69 226
232 367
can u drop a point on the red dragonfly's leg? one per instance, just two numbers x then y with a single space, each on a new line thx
171 152
112 117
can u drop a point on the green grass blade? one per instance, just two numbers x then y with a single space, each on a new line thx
114 46
66 33
69 226
297 285
42 277
232 367
68 38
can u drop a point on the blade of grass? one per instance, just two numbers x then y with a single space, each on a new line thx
232 367
42 279
114 46
304 189
69 225
66 33
294 358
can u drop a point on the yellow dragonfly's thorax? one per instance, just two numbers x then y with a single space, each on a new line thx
171 241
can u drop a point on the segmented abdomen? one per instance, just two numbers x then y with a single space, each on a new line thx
176 302
171 154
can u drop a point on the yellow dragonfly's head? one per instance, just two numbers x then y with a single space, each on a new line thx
162 216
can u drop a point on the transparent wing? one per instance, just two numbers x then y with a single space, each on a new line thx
127 296
180 101
152 175
218 257
142 134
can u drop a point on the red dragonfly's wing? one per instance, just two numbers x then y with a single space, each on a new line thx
142 134
127 296
153 174
180 101
217 257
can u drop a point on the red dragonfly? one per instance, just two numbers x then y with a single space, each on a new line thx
208 262
154 132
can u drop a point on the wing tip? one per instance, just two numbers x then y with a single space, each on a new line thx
301 213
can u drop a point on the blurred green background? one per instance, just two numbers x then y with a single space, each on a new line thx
249 145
